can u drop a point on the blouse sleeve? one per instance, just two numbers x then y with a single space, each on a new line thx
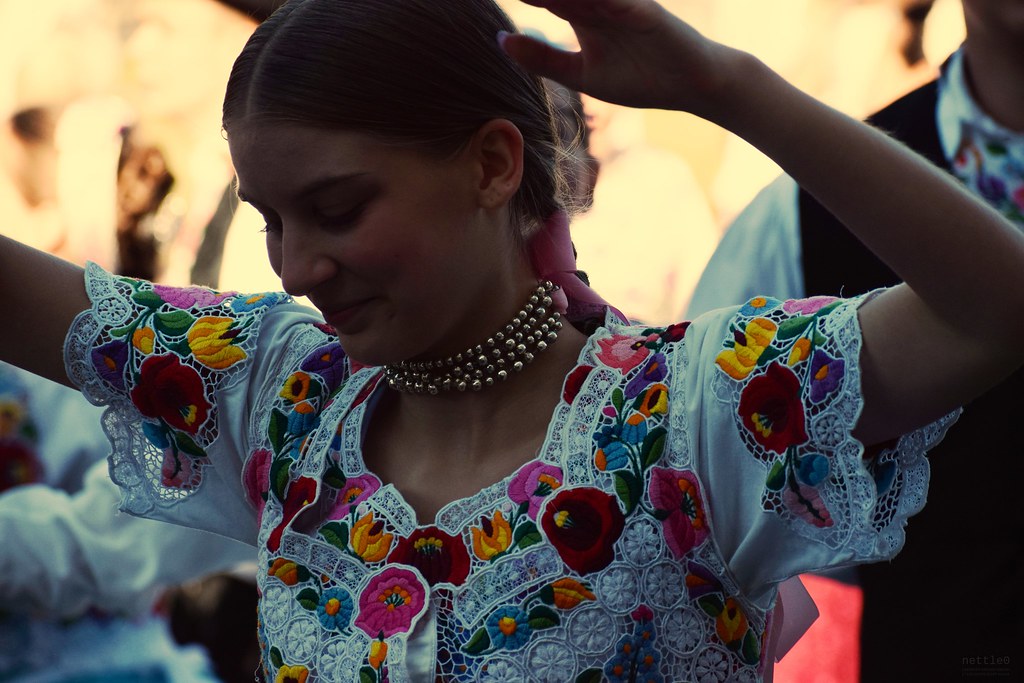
777 387
182 376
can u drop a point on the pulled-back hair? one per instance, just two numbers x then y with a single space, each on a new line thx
424 74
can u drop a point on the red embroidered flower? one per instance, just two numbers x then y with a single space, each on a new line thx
18 465
440 557
171 392
574 382
301 493
771 410
256 477
583 524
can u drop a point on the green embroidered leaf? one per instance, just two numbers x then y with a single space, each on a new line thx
275 658
628 488
526 534
825 310
618 400
185 444
277 429
653 446
302 573
367 675
590 676
478 644
180 348
123 331
712 604
776 476
547 594
819 339
173 323
768 355
279 473
793 327
543 617
335 533
309 598
996 148
334 476
147 298
523 508
750 653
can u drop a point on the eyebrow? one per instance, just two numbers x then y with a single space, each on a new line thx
311 188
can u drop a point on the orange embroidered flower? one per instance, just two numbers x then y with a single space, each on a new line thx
286 570
801 350
292 674
369 540
731 624
143 338
748 346
655 401
211 339
493 536
378 653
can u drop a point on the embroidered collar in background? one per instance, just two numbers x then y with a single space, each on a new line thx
987 157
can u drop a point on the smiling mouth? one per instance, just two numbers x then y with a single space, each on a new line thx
346 319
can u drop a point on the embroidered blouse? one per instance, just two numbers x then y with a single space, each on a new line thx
686 471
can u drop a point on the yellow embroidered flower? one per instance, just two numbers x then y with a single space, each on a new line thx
569 592
142 339
296 387
369 540
740 360
211 339
378 653
286 570
11 416
493 536
801 350
731 624
655 401
292 674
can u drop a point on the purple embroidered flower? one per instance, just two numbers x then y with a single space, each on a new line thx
509 628
700 581
655 371
992 188
109 361
826 374
354 491
328 362
188 297
533 483
392 601
675 495
808 306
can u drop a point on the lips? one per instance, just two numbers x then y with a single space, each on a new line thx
346 318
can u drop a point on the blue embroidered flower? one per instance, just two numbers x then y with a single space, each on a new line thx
254 301
635 429
156 433
303 419
759 305
335 609
812 469
636 658
609 434
826 374
508 628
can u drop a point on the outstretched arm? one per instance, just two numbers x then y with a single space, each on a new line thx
930 344
43 295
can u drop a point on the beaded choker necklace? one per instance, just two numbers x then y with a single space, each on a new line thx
531 331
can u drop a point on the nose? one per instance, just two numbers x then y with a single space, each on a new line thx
302 263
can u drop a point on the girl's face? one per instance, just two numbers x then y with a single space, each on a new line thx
393 246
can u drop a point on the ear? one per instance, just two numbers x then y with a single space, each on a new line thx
497 149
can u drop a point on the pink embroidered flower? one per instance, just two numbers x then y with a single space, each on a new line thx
179 470
353 492
623 352
676 495
806 503
808 306
256 478
392 601
187 297
533 483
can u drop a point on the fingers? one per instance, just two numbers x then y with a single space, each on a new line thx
595 11
544 60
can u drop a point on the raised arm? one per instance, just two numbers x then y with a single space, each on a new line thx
929 345
43 294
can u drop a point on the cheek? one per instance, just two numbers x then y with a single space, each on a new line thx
274 252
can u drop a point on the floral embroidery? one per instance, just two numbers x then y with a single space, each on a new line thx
676 498
439 556
300 493
532 484
19 439
391 603
636 658
334 609
492 538
583 524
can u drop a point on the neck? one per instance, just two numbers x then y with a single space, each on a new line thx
995 75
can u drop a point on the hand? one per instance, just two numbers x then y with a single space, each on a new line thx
632 52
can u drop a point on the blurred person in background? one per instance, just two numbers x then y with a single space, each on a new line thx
968 587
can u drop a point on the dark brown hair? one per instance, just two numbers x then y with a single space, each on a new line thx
419 73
